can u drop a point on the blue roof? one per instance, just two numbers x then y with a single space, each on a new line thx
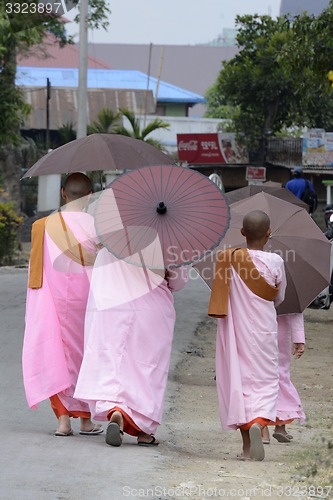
105 79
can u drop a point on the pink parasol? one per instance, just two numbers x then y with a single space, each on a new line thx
161 216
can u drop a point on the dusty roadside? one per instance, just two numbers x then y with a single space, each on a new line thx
196 459
203 458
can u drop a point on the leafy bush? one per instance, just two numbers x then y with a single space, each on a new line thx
10 223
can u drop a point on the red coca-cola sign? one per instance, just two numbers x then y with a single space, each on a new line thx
221 148
199 148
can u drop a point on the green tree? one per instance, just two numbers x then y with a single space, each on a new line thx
254 83
278 79
17 34
106 121
309 54
67 132
216 104
136 131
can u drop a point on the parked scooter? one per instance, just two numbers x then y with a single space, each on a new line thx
325 298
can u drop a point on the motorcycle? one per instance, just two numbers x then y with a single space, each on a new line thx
325 298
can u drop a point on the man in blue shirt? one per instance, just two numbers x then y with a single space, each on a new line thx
298 186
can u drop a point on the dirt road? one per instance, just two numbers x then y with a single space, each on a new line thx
203 457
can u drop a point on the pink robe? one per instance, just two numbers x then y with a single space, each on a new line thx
128 338
54 329
290 329
246 348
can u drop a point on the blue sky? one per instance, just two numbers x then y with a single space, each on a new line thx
173 21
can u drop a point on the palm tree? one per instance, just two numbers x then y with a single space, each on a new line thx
105 122
139 133
67 133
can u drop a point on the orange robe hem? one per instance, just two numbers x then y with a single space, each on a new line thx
60 410
264 422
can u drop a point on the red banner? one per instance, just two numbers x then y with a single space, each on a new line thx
210 148
199 148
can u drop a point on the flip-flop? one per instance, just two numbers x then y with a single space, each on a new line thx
113 434
289 436
257 451
95 431
153 442
265 441
281 438
242 458
64 434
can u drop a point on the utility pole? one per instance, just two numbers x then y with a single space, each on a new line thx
48 97
159 75
83 66
148 80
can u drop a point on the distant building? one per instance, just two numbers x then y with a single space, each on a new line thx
169 99
226 39
49 54
191 67
296 7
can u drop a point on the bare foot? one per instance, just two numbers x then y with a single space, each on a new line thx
265 435
118 418
64 426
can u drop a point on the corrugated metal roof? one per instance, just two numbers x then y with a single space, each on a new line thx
105 79
50 54
63 104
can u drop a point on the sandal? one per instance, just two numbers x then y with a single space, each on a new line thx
257 451
95 431
114 435
64 434
153 442
242 458
281 438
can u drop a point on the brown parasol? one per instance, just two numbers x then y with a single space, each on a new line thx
267 187
295 236
99 152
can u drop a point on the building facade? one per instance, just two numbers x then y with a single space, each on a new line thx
296 7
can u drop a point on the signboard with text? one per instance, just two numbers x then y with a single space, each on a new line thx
317 147
219 148
255 173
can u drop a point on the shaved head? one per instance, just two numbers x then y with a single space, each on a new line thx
77 185
255 225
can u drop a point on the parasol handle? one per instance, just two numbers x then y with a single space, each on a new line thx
161 208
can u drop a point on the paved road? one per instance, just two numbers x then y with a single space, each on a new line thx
36 465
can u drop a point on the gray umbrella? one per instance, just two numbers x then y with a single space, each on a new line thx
275 190
99 152
295 236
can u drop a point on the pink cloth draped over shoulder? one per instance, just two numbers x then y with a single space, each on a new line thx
246 347
54 322
128 338
290 330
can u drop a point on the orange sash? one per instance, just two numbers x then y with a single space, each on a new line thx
65 240
36 254
241 261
